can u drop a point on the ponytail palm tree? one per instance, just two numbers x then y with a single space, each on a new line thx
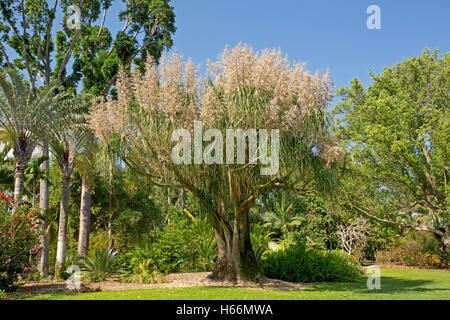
22 111
66 136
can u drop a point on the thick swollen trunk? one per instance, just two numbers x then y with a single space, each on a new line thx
85 219
62 228
235 257
43 206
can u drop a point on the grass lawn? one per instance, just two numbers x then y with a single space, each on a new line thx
396 283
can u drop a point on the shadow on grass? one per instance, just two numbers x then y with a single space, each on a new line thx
389 285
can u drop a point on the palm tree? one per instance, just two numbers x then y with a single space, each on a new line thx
22 110
66 136
86 167
34 174
281 219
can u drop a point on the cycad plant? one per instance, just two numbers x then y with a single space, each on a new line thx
145 272
282 218
23 111
99 264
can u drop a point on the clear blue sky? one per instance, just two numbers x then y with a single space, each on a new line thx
323 33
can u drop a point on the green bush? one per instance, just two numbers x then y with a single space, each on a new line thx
144 272
184 245
99 264
412 253
298 264
19 241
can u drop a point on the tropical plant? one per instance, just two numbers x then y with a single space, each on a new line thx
261 240
23 113
66 132
33 174
248 90
298 264
99 264
283 218
204 244
145 272
6 163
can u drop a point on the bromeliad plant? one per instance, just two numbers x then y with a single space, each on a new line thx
19 239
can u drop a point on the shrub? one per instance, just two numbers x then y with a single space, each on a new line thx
204 245
144 272
412 253
260 239
298 264
19 241
99 264
3 295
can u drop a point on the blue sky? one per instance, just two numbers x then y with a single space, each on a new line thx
323 33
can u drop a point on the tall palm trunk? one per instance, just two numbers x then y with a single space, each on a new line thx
43 206
19 178
22 151
62 227
85 218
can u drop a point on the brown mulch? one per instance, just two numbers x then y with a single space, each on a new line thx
174 280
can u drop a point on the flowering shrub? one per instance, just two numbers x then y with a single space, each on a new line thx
411 253
19 240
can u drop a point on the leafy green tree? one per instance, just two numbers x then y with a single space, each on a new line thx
396 132
249 90
28 42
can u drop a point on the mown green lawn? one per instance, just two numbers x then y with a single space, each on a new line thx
395 284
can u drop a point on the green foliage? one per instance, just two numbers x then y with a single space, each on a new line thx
99 264
260 238
396 132
298 264
182 245
173 250
144 272
19 241
416 250
3 295
203 245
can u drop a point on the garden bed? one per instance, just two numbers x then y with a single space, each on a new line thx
174 280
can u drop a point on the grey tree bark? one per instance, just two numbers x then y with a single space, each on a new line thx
62 227
19 177
43 206
85 218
